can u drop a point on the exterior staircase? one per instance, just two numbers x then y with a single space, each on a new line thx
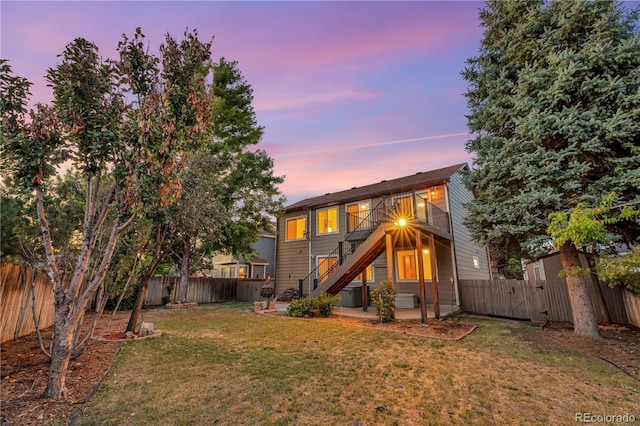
366 242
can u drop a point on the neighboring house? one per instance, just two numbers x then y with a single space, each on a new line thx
382 231
261 266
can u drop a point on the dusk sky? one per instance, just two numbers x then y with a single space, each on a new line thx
349 93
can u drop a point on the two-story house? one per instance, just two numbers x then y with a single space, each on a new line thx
408 230
259 267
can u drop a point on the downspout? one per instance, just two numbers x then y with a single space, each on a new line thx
453 245
309 250
275 263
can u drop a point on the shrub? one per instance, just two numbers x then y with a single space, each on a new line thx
302 307
326 303
323 306
384 301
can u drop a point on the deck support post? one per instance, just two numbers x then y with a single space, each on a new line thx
423 293
390 269
365 292
434 279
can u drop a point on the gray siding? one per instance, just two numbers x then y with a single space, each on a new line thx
465 247
266 248
292 257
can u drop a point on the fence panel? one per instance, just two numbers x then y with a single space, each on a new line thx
632 306
541 300
204 290
15 301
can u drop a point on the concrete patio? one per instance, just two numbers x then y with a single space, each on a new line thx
401 314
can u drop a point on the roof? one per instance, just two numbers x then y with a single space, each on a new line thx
385 187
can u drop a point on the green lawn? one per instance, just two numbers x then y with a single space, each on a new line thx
223 364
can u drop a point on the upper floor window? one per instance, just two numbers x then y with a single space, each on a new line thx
357 215
296 228
403 205
328 220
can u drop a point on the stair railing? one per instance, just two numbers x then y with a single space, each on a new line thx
366 226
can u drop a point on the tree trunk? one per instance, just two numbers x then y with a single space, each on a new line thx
61 350
585 321
595 282
145 279
185 267
136 310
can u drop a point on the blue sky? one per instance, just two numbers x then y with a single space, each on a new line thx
349 93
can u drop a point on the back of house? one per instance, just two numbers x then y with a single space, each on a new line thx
382 231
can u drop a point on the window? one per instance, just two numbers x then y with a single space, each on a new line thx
325 264
404 205
242 272
476 262
369 272
296 228
407 264
356 215
422 206
328 220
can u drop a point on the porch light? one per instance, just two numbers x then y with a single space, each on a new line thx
402 222
434 190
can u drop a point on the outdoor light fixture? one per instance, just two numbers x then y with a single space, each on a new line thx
434 189
401 222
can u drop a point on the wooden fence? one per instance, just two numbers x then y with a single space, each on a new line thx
204 290
541 300
16 315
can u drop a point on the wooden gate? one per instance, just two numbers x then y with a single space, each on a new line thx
546 300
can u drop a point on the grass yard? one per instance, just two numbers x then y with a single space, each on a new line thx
223 364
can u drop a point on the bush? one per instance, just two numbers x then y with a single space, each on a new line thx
326 303
322 306
302 307
384 301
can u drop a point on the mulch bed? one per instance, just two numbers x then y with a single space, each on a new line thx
24 376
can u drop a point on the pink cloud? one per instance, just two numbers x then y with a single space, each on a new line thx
318 173
295 96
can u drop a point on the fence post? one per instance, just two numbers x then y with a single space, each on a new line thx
300 287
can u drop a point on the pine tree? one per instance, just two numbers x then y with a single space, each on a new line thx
554 104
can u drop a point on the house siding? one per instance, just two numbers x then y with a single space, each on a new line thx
295 259
465 247
266 248
292 257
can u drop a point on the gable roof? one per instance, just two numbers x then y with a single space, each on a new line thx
385 187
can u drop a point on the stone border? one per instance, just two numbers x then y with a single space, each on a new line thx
180 305
156 333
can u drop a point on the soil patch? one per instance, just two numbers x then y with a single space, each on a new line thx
619 346
444 329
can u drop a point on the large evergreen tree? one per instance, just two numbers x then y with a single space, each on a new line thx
554 104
